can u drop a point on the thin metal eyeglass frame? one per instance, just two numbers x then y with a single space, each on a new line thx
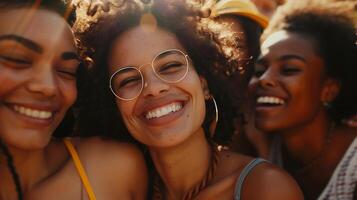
142 77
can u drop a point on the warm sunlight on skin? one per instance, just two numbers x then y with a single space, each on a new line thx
36 75
280 35
148 22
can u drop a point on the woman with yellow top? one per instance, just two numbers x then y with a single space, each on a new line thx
39 67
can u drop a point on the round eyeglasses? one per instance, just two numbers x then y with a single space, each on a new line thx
171 66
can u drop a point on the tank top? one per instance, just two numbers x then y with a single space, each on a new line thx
80 169
344 178
243 175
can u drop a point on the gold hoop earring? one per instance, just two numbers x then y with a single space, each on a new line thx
213 125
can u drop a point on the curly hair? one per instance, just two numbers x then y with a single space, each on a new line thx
330 26
211 46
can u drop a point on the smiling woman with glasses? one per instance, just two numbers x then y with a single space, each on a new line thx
162 85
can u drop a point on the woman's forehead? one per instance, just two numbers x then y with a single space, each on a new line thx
138 46
42 26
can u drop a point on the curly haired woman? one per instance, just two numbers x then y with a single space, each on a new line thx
303 86
154 75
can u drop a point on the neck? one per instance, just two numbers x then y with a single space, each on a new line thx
29 166
184 166
305 142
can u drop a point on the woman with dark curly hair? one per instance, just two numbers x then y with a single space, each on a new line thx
303 85
39 72
154 74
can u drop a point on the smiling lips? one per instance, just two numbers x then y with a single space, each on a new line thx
269 101
164 110
33 113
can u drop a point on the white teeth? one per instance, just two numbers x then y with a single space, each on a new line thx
162 111
270 100
40 114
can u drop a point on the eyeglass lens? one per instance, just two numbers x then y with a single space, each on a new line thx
169 66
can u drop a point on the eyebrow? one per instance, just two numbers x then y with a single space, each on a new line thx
23 41
70 55
35 47
124 70
290 56
262 60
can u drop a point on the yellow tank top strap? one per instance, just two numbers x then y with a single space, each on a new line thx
80 169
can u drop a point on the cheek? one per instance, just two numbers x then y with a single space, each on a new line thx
252 86
9 81
69 92
305 98
198 98
306 90
125 108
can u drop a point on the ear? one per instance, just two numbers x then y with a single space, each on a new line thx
330 90
205 89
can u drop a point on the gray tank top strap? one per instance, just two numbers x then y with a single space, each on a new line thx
247 169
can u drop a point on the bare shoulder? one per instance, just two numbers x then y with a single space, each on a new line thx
106 148
231 164
265 181
115 170
107 153
272 183
118 166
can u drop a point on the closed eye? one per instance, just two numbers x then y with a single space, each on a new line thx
129 81
289 70
14 60
171 67
67 74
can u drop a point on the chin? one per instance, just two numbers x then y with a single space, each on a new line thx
28 141
36 144
266 126
165 139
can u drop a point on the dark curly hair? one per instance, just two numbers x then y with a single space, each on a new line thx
211 46
330 26
252 32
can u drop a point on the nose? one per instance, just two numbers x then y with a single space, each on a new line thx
153 85
268 79
42 81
